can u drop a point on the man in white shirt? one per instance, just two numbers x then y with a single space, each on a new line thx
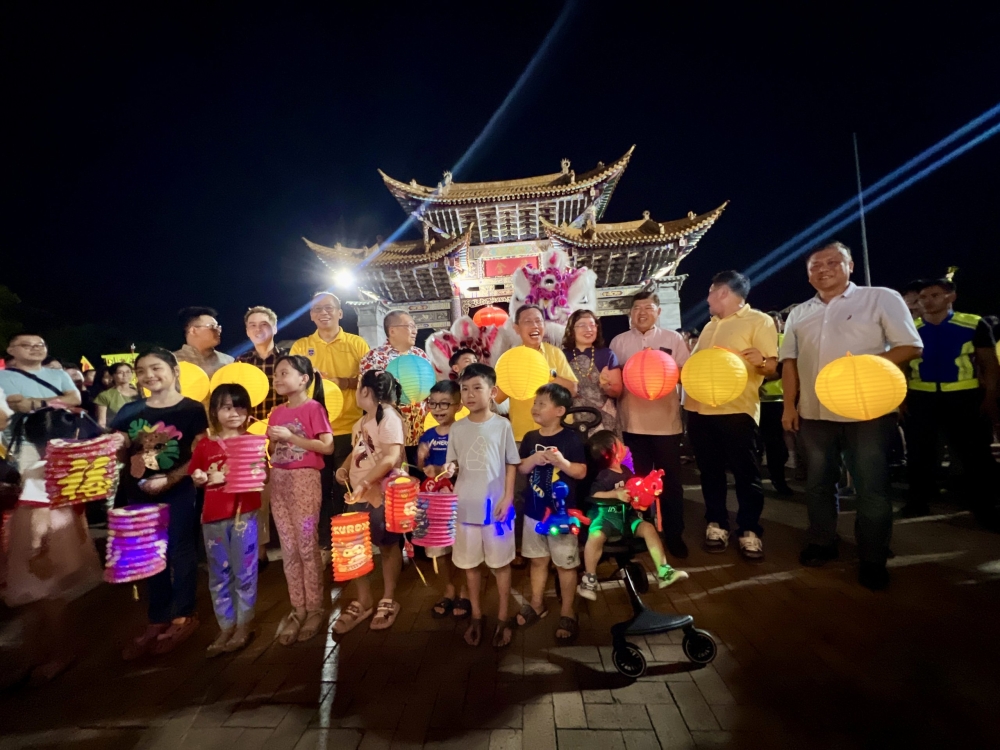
844 318
29 385
652 429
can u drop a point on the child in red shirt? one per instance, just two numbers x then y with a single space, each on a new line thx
229 522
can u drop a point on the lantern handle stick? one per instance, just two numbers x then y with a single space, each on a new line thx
435 565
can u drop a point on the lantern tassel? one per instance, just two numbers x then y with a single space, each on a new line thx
135 593
435 565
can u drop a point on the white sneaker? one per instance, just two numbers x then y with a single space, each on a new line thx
667 575
716 538
751 546
588 587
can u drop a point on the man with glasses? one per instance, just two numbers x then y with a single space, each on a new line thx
402 334
202 333
652 429
336 355
28 385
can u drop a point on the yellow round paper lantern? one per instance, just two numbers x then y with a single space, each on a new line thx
333 397
863 387
258 428
250 377
714 376
193 381
429 420
521 371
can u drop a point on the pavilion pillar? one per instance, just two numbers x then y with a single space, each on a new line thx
371 314
669 291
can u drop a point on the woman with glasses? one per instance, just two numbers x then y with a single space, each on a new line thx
596 367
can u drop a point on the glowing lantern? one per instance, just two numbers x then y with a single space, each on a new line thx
650 374
250 377
137 542
333 397
436 518
79 471
714 376
400 503
351 546
193 380
257 428
863 387
522 371
246 464
429 420
415 375
490 316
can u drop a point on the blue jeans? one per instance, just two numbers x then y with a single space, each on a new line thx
864 449
232 568
172 592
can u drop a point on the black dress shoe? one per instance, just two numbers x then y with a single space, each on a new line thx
817 555
676 547
783 490
873 576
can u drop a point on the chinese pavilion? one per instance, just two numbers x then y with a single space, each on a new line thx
477 234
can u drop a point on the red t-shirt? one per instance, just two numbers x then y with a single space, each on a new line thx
209 454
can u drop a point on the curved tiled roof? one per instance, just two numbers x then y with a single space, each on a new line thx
544 186
645 231
413 253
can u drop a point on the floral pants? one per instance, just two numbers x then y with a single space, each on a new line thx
232 568
296 495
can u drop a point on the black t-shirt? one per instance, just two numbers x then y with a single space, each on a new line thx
540 478
983 338
161 440
608 481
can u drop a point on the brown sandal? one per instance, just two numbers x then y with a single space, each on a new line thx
385 614
175 635
503 635
474 633
352 614
140 645
288 630
311 625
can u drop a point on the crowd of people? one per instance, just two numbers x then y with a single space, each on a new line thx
506 456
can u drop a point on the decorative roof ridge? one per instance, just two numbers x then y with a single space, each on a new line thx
396 253
597 233
464 190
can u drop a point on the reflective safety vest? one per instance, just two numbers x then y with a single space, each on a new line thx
771 390
946 364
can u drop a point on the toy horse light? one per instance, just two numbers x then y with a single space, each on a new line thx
644 491
562 521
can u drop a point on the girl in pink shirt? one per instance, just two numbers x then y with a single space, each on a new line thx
300 435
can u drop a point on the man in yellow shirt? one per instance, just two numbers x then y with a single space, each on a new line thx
529 324
725 437
336 355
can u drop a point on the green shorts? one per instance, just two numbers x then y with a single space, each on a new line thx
614 521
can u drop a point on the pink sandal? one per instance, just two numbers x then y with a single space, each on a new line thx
349 618
385 614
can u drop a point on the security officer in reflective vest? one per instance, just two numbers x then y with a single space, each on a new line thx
952 391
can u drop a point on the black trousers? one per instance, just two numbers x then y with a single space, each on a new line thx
772 434
333 492
728 441
661 452
967 431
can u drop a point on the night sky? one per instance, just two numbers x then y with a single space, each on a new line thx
156 161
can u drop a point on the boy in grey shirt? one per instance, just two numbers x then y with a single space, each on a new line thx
481 447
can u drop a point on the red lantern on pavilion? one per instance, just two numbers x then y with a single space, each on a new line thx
490 316
650 374
351 546
401 503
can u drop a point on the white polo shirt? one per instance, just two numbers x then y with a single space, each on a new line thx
862 320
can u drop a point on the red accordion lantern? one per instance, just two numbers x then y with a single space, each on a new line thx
137 542
246 463
650 374
490 316
351 546
80 471
401 503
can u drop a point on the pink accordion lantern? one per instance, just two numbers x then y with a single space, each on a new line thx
137 542
81 471
246 463
437 515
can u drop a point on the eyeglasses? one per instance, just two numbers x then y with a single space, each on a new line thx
330 309
42 345
214 327
440 404
585 327
407 326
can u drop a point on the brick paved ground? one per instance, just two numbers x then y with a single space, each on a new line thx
809 659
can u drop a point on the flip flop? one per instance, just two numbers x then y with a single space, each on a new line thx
385 614
446 605
503 635
175 635
530 616
476 628
463 604
570 625
353 614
